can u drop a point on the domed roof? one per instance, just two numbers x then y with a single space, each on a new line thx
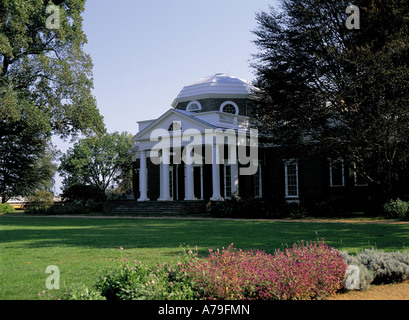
219 85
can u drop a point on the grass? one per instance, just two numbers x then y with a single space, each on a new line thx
82 248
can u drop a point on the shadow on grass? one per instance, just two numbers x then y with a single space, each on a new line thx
35 232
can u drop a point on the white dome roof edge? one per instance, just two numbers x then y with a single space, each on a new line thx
218 84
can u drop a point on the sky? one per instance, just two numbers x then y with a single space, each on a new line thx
145 52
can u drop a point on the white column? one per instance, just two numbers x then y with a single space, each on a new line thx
215 175
143 178
189 181
164 179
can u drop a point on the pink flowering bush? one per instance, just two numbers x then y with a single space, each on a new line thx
305 271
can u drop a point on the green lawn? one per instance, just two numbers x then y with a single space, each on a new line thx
81 248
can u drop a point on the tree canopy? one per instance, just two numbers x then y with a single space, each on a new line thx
45 86
26 154
48 67
100 160
334 90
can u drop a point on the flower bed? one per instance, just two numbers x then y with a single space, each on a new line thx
305 271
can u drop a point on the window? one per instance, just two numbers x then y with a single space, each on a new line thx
229 107
194 106
336 173
171 178
227 182
258 190
359 181
291 179
175 125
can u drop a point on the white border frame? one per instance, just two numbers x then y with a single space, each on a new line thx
286 164
192 103
233 104
331 161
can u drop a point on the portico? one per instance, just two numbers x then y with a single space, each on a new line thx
191 152
189 177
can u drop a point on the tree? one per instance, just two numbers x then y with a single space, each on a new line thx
331 90
48 67
99 160
45 85
26 154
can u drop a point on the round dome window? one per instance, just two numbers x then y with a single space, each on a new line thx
229 107
194 106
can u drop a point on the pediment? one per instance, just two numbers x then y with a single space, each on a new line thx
165 121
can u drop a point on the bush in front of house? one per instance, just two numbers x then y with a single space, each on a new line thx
268 208
6 208
396 209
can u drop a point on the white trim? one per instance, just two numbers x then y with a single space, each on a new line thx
286 164
152 125
177 181
260 182
227 103
171 183
201 182
227 181
331 162
356 184
215 86
193 103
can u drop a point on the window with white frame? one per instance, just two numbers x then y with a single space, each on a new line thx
175 126
229 107
336 173
291 179
194 106
359 181
258 189
227 182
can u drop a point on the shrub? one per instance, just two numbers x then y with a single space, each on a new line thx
73 208
310 271
381 267
41 199
78 292
295 210
66 209
396 209
366 277
6 208
248 208
139 282
388 267
83 193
